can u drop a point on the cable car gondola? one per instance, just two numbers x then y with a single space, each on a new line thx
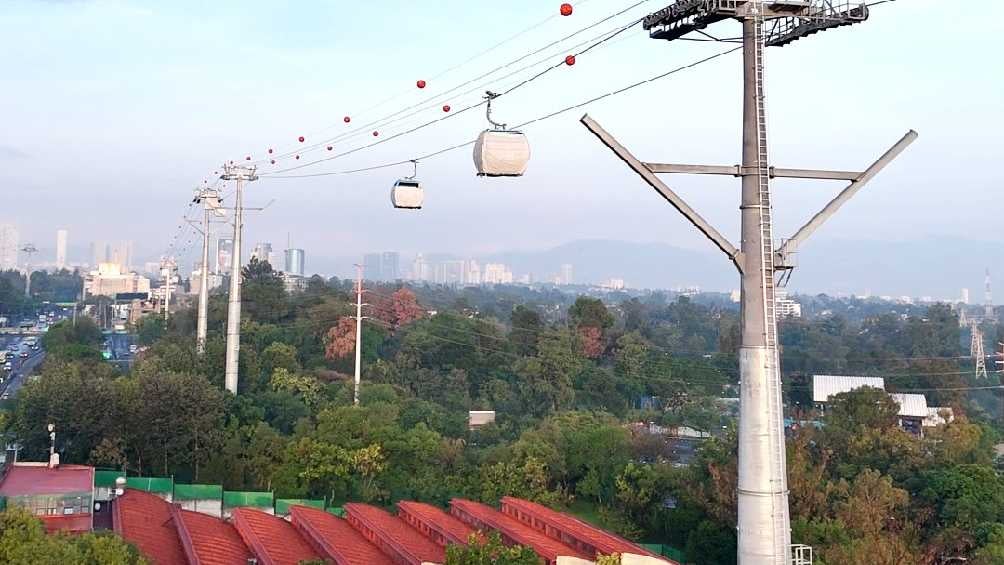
408 193
500 152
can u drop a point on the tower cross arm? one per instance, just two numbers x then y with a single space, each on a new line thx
674 199
803 233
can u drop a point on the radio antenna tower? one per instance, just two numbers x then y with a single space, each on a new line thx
976 350
763 521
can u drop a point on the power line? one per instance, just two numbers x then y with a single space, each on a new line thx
524 124
475 79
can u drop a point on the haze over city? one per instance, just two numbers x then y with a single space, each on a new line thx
153 113
597 282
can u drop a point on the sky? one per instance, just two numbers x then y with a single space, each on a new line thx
115 111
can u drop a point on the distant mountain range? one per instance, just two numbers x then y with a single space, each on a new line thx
928 267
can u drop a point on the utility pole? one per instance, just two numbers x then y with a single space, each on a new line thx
29 249
359 333
240 174
763 518
210 200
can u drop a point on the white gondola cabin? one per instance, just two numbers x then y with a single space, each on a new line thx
407 194
501 153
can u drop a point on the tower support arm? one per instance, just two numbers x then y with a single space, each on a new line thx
643 171
846 194
737 171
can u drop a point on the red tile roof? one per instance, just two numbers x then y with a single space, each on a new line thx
486 517
392 535
37 478
604 542
145 520
335 538
272 540
74 523
208 540
448 527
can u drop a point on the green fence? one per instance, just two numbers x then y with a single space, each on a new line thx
666 551
158 485
104 478
236 499
198 492
282 504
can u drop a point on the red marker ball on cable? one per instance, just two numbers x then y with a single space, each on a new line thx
347 119
566 9
420 84
269 150
297 157
273 161
570 60
301 139
330 148
376 133
446 108
248 158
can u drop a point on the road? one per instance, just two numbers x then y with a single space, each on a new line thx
118 345
21 366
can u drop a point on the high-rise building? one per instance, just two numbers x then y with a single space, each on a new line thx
224 255
117 252
263 252
9 242
566 274
295 262
472 272
496 273
421 270
390 266
371 267
965 296
121 253
450 272
61 237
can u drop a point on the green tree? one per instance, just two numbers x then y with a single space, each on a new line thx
23 541
490 550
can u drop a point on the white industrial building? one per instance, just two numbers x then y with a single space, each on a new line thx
914 413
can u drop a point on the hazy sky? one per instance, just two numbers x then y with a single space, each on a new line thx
115 110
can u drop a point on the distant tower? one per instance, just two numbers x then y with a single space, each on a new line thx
965 296
988 312
976 350
61 237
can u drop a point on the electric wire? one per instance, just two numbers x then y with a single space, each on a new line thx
279 175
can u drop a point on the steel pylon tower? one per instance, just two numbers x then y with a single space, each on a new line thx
763 518
976 350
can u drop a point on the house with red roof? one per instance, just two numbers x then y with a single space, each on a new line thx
167 534
484 517
335 538
570 530
434 523
62 496
273 540
393 536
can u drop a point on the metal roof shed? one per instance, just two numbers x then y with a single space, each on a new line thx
825 386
